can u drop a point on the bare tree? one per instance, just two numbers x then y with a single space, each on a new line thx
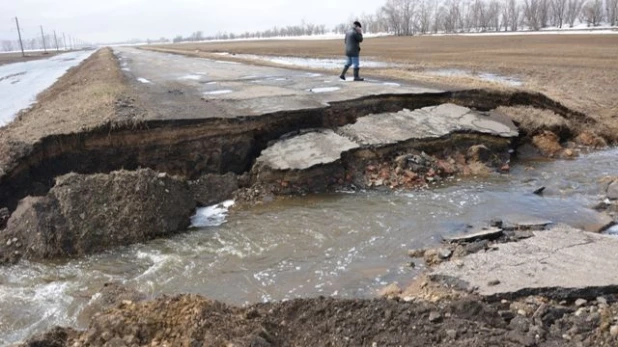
424 17
532 9
574 8
514 14
558 9
544 12
493 14
7 45
593 12
452 16
611 8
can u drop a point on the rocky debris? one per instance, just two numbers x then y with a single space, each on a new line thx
190 320
561 263
109 296
484 234
589 139
524 222
391 291
548 144
211 189
4 217
84 214
401 150
612 190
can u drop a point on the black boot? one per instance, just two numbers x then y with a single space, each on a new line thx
345 70
356 77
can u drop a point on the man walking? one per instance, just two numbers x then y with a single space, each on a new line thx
353 38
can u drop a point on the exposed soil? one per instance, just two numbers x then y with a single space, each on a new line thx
190 320
84 214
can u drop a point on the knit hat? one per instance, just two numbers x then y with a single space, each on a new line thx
358 24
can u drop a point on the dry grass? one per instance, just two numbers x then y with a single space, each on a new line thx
83 98
9 58
581 71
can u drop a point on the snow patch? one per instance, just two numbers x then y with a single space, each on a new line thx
191 77
20 83
143 80
218 92
323 89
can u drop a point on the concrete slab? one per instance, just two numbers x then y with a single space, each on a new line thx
561 263
304 151
485 234
429 122
379 130
184 87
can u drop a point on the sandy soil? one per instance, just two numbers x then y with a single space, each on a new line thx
579 71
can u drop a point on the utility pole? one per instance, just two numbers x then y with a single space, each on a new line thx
64 39
56 39
43 37
21 45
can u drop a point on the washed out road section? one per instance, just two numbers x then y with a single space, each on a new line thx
20 83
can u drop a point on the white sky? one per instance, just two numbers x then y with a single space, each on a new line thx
119 20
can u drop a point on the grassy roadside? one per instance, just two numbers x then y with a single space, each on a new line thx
83 98
580 71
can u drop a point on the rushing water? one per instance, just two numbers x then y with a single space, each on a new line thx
347 245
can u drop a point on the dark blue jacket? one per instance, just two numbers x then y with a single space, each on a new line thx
352 43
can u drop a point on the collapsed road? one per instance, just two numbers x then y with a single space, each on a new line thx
275 131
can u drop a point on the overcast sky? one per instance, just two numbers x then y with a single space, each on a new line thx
118 20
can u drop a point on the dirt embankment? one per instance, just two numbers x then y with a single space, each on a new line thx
190 320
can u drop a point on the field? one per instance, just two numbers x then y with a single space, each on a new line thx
9 58
580 71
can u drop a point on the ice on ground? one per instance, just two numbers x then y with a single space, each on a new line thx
211 216
191 77
143 80
323 89
218 92
485 76
20 83
321 63
392 84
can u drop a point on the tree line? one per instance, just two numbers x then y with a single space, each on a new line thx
303 29
412 17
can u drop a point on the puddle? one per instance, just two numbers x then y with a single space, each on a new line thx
321 63
218 92
323 89
485 76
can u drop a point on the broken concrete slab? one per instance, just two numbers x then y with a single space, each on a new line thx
307 150
429 122
561 263
524 222
475 235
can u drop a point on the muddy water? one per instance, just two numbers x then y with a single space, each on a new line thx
347 245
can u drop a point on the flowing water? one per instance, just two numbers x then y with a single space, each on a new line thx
347 245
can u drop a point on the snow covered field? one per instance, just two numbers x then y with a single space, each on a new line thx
20 83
